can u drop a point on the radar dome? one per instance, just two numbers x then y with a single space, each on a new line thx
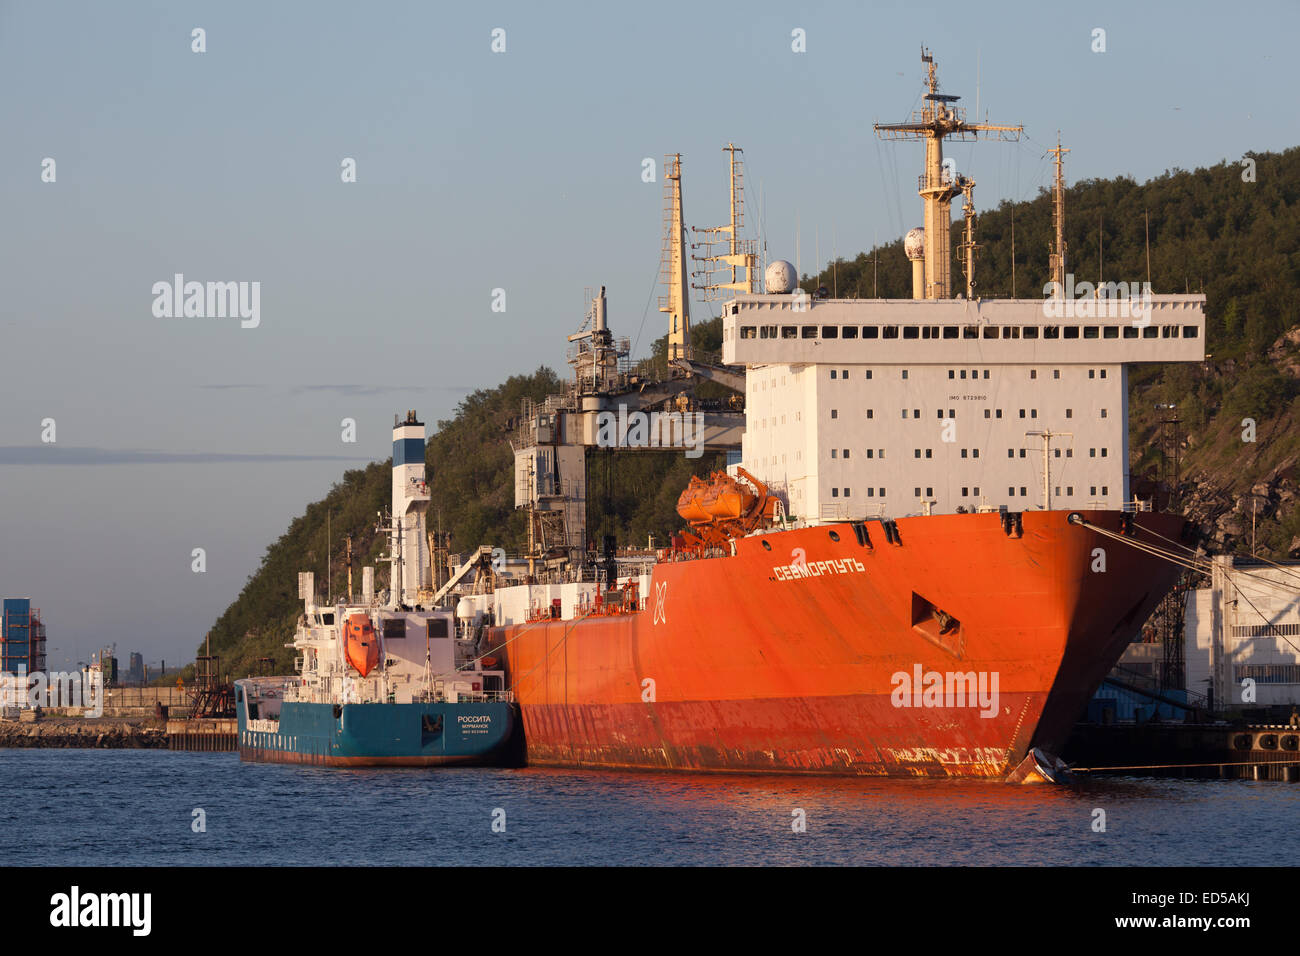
779 277
914 243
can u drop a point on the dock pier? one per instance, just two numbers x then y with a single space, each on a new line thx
1197 751
215 735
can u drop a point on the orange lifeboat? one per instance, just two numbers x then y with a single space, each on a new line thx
360 644
727 499
690 503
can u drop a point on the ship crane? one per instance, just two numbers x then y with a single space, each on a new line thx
938 120
644 413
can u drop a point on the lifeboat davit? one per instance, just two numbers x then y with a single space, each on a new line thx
360 644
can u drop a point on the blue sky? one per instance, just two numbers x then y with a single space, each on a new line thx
476 170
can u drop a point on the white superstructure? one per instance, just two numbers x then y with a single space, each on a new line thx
863 407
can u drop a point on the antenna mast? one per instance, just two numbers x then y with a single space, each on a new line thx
672 264
1047 435
968 245
936 121
1058 219
736 253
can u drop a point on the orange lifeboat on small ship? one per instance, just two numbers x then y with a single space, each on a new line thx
360 643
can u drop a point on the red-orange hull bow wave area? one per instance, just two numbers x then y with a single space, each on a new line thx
938 645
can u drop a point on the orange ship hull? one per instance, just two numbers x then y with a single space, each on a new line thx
806 654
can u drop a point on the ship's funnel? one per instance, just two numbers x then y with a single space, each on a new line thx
410 502
914 246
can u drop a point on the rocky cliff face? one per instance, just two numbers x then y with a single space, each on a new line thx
1239 447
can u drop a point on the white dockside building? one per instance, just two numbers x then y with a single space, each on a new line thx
1245 626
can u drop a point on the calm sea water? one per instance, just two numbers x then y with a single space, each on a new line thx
98 807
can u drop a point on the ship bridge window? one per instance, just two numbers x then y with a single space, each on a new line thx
1051 332
850 331
990 331
929 331
767 332
327 619
950 331
1190 331
1090 332
970 332
1130 332
789 332
911 332
438 627
1011 332
748 331
1150 332
870 332
1071 331
890 332
809 332
1110 332
830 331
1030 331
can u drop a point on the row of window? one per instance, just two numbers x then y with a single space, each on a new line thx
1130 331
969 492
842 374
952 413
1069 491
1069 453
1264 630
1268 673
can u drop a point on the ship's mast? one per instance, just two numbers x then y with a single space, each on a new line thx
968 245
1047 435
673 263
1058 220
936 121
736 253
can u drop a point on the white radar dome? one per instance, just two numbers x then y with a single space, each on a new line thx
914 243
779 277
